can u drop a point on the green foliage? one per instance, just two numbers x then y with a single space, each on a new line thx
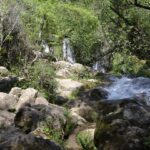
123 63
95 28
54 135
58 19
70 126
41 76
59 135
86 141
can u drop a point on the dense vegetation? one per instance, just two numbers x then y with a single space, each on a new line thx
115 32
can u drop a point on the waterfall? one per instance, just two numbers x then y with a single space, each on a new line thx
98 67
124 87
68 51
46 47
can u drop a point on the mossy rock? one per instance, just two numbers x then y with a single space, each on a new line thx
122 125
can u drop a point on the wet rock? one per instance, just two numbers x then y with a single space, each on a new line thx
60 100
122 124
95 94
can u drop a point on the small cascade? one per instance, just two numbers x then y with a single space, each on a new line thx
98 67
68 51
124 88
46 47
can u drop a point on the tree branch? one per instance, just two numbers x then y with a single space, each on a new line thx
120 15
137 4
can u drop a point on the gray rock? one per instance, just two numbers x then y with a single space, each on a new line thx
122 124
95 94
7 101
41 100
14 139
6 119
7 83
29 118
28 96
3 71
16 91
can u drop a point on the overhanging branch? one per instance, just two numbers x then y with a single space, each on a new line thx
120 15
137 4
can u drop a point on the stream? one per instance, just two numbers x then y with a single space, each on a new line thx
126 88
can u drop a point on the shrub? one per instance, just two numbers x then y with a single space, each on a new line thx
41 76
86 141
123 63
54 135
70 126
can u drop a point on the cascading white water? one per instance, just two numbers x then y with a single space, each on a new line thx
68 51
98 67
46 47
125 87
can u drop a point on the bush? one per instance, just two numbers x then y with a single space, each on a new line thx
54 135
123 63
41 76
70 126
86 141
58 19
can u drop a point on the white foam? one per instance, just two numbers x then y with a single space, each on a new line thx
125 87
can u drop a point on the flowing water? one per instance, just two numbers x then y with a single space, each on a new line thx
98 67
125 87
68 51
46 47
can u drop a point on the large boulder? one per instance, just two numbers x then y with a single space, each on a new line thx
40 116
85 112
67 86
122 125
71 67
28 96
6 119
82 109
66 69
16 91
41 100
63 73
14 139
7 101
6 83
3 71
95 94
